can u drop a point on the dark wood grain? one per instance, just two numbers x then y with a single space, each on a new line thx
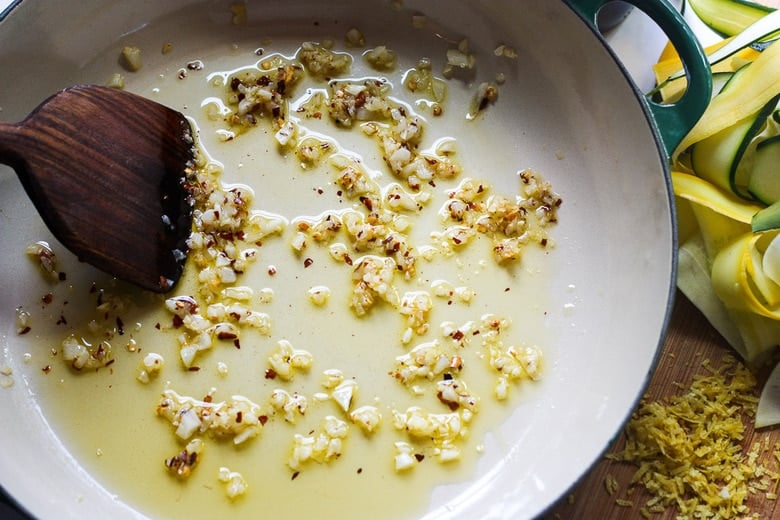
690 340
105 169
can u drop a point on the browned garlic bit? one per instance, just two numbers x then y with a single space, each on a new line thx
185 461
43 254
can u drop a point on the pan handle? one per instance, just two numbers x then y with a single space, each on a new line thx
672 121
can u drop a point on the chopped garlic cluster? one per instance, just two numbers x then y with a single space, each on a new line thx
443 430
82 354
510 224
323 446
221 322
237 418
368 418
425 361
291 405
373 279
150 367
510 362
285 360
323 62
235 485
42 253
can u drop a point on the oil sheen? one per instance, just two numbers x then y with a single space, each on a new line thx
106 418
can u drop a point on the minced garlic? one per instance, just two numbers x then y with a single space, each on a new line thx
130 58
235 485
285 360
150 367
323 446
237 418
42 253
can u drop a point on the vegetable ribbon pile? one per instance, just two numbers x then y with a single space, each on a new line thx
729 207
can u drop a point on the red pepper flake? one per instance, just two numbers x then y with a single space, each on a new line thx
237 343
544 242
419 457
226 335
46 369
47 298
307 262
271 270
25 330
177 321
457 335
367 202
263 419
295 475
239 417
193 369
208 398
110 362
359 471
157 326
507 289
270 373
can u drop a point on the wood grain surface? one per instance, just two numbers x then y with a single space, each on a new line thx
690 340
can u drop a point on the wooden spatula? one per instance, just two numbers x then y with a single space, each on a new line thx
106 170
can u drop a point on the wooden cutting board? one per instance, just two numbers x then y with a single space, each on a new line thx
690 340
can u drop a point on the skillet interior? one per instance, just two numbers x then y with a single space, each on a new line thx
566 109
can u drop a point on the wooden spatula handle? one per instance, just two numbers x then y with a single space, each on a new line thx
9 143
